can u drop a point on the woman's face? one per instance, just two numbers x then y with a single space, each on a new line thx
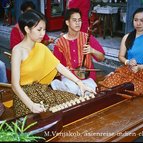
138 22
37 33
74 23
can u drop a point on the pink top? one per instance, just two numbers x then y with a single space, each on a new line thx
74 54
84 6
17 36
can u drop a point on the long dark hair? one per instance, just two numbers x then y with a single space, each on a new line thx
132 35
67 16
31 18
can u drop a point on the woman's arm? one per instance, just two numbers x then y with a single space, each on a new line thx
122 51
64 71
15 64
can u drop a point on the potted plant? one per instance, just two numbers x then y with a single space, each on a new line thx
16 131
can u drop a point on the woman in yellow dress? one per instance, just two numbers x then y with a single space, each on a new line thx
34 67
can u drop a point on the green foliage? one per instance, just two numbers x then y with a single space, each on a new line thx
16 131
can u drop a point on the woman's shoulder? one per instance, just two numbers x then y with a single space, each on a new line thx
125 37
17 49
41 45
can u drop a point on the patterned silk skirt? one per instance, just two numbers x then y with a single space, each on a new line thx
38 92
122 75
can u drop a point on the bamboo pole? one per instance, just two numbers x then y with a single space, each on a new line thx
85 69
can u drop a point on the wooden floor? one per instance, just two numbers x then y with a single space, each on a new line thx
121 122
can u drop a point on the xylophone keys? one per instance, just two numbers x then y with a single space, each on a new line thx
92 95
65 105
87 97
73 102
61 106
81 99
58 107
68 104
53 109
77 100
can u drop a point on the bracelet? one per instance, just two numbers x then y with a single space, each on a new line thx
126 62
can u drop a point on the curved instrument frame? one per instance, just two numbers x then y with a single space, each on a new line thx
48 123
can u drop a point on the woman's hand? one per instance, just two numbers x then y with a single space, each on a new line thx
84 88
132 62
133 65
135 68
38 107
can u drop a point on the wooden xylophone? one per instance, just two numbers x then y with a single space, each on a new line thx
52 122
